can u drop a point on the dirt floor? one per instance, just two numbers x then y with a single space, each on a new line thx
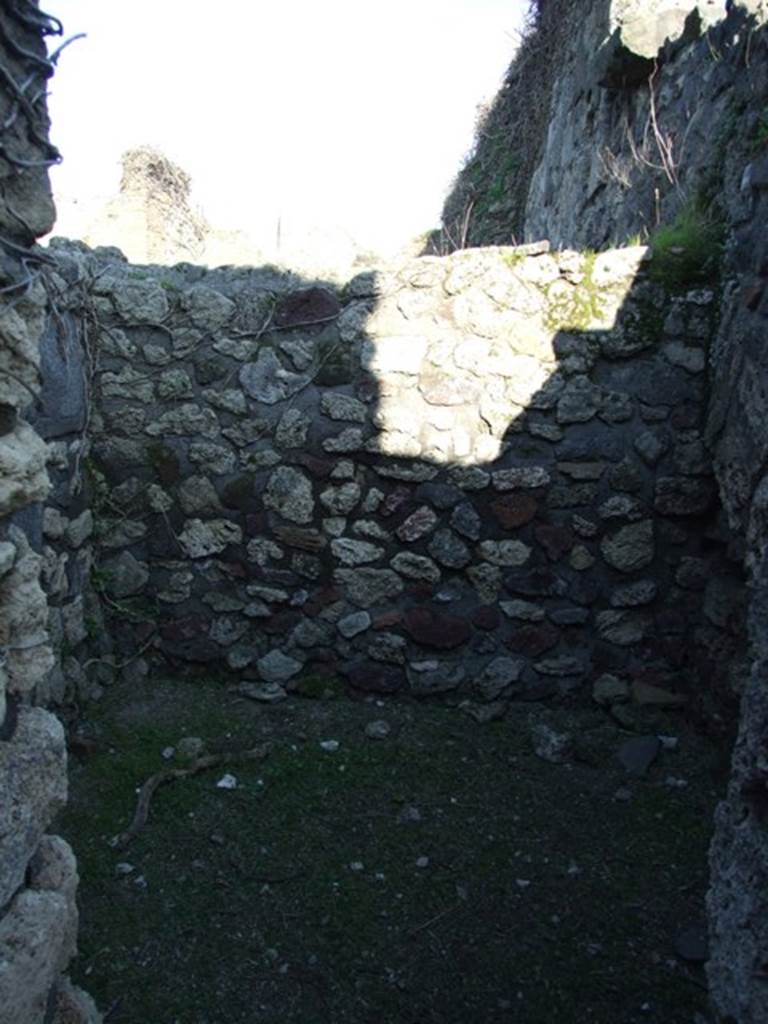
444 872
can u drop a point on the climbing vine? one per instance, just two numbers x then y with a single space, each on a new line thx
24 144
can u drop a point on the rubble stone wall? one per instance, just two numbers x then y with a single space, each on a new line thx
738 436
38 877
639 111
481 474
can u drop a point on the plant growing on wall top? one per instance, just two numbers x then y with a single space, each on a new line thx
688 251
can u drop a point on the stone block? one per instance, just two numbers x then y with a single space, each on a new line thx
429 678
35 946
630 548
33 773
62 403
23 474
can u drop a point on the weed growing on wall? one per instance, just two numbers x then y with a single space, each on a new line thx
688 251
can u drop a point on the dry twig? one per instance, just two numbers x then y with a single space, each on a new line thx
153 783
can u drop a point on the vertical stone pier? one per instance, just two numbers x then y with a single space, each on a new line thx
38 876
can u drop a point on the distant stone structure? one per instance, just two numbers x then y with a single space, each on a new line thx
152 217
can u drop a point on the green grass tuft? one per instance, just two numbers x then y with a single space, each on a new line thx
318 687
688 252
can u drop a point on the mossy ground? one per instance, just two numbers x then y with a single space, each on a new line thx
299 896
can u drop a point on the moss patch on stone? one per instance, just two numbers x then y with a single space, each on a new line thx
578 308
319 687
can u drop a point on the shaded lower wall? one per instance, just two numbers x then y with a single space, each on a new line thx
634 133
62 531
737 432
482 475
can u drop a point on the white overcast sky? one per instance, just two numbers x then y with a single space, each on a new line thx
341 112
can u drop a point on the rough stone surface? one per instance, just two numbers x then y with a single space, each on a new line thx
33 767
591 182
351 625
24 620
447 549
639 753
289 493
415 567
418 524
631 594
125 575
432 677
342 499
736 901
43 416
38 935
266 379
369 587
507 553
74 1006
355 552
433 629
497 677
202 539
35 946
23 476
630 548
621 627
276 667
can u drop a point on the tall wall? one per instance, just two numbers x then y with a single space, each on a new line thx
638 111
646 125
62 531
38 877
654 108
737 433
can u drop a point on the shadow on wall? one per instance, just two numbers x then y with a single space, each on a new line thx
479 475
555 506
